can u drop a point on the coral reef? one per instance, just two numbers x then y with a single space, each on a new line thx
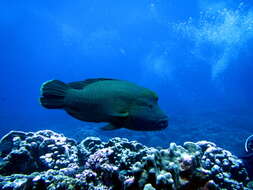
28 152
47 160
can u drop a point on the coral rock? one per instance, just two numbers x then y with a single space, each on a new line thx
47 160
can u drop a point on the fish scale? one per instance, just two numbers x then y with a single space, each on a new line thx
121 104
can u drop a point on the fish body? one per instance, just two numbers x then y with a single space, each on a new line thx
118 102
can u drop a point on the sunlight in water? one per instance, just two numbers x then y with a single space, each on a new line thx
159 66
223 31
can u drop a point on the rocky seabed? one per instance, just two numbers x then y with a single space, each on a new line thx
48 160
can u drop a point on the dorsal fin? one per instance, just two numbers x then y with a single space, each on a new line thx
81 84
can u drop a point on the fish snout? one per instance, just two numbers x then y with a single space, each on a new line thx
163 123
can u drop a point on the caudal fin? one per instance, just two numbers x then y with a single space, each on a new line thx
53 93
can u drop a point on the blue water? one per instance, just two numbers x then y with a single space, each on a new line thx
197 56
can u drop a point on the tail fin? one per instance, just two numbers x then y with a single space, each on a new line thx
53 93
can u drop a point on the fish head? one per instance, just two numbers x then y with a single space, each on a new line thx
148 116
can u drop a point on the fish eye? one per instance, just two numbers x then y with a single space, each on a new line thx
150 106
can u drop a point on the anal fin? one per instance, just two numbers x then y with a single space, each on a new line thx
109 127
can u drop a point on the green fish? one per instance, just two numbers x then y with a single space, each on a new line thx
120 103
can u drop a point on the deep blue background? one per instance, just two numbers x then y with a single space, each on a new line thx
197 55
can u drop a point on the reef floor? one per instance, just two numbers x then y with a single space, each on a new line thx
48 160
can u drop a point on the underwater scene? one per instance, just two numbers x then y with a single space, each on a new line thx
131 95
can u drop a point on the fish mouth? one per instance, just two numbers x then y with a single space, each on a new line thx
163 123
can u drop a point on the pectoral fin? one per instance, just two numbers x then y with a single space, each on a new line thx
110 127
118 120
120 114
